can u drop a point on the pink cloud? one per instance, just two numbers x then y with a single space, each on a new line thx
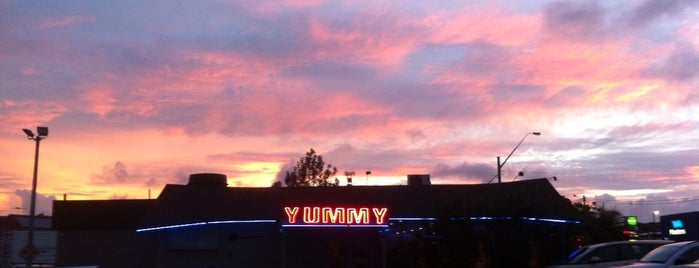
512 29
67 20
374 35
101 101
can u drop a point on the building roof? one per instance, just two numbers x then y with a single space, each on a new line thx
21 222
99 214
185 204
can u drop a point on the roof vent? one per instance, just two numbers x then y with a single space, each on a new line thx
208 179
418 179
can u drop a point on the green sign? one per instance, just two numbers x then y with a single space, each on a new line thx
631 220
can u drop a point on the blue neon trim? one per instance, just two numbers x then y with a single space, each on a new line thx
484 218
171 226
335 225
175 226
481 218
412 219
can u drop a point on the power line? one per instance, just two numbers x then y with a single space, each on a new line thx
648 202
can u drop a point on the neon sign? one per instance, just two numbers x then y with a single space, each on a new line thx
677 228
677 232
335 216
677 224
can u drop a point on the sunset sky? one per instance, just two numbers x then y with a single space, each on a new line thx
139 94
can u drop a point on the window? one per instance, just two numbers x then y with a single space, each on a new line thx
689 256
606 254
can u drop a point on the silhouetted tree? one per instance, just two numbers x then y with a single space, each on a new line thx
311 170
599 224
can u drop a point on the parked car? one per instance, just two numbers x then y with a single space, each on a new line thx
670 255
691 265
610 254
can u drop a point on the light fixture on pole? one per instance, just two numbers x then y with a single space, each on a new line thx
655 214
500 165
41 133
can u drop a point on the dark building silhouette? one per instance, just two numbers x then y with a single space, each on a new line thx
207 224
681 226
102 232
13 241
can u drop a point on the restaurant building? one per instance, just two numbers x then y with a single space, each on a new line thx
681 227
207 224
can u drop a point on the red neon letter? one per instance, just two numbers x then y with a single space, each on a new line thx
291 213
331 215
311 214
354 216
380 214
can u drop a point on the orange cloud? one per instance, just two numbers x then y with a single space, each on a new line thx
693 171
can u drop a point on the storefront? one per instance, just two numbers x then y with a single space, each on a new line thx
207 224
681 227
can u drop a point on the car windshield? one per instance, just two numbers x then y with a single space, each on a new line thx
574 257
661 254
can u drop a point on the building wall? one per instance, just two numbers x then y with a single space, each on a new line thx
234 245
425 243
13 242
106 248
681 227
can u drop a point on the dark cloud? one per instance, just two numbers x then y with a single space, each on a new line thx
286 167
680 66
120 173
377 159
649 11
644 207
517 94
337 73
476 171
425 101
567 96
436 55
602 200
481 58
115 174
596 20
8 183
576 20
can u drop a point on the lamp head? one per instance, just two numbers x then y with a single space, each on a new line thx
42 131
29 133
536 133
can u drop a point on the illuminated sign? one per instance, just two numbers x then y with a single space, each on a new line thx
678 232
677 228
677 224
335 216
632 220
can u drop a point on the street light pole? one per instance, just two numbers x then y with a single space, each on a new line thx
42 132
655 214
500 165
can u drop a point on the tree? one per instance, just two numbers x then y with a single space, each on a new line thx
599 224
311 170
